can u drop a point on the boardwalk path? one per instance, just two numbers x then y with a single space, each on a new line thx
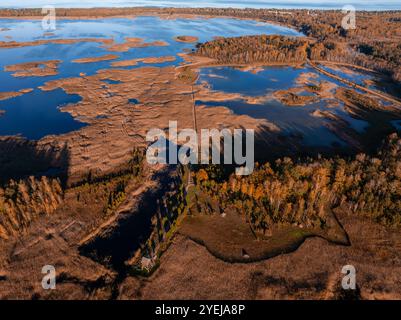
354 85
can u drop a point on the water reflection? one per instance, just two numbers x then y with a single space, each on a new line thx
292 120
35 122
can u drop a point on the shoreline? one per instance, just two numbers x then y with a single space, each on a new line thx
200 8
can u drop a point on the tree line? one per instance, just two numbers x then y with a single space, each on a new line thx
254 49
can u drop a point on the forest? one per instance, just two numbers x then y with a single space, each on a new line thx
289 192
253 49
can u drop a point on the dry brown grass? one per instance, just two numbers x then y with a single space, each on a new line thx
313 271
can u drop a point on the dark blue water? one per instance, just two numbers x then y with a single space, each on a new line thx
133 101
109 81
396 124
36 114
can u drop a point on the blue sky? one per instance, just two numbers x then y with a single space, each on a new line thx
366 4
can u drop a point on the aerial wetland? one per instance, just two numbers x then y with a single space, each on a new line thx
84 48
76 104
106 82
